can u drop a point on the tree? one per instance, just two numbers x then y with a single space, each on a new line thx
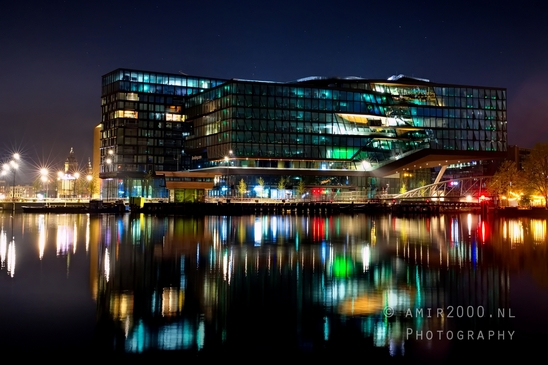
403 189
242 187
80 186
260 182
300 188
281 186
507 180
535 168
281 183
93 186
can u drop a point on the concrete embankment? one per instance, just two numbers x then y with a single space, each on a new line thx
236 208
301 208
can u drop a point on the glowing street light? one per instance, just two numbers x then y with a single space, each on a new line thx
109 163
44 176
227 177
12 166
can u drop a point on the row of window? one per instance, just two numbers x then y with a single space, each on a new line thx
209 125
253 115
333 130
129 160
160 78
261 150
147 150
142 141
289 116
130 114
284 96
272 107
151 116
306 103
246 150
132 105
342 141
258 88
318 123
110 100
378 92
190 179
463 92
138 168
144 124
152 89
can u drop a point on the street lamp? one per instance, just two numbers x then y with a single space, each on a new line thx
12 166
227 163
45 180
109 162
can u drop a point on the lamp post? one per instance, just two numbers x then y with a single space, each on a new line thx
227 162
45 180
109 162
226 176
12 166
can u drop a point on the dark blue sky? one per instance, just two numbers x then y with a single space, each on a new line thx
53 54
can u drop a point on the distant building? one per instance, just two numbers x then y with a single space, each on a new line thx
71 163
332 134
67 179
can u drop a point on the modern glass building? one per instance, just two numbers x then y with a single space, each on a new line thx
142 129
277 139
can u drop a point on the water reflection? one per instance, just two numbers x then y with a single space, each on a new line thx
7 247
222 282
307 284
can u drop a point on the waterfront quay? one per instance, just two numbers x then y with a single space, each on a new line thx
371 207
276 207
235 207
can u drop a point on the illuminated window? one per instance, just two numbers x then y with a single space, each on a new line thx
126 114
174 117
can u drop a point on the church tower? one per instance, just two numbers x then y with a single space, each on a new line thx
71 164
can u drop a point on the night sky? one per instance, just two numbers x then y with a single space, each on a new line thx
53 54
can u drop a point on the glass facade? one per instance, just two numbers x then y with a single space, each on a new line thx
143 127
341 124
339 130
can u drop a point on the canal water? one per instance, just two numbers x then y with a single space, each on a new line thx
434 289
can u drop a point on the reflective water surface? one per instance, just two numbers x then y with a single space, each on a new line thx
424 289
